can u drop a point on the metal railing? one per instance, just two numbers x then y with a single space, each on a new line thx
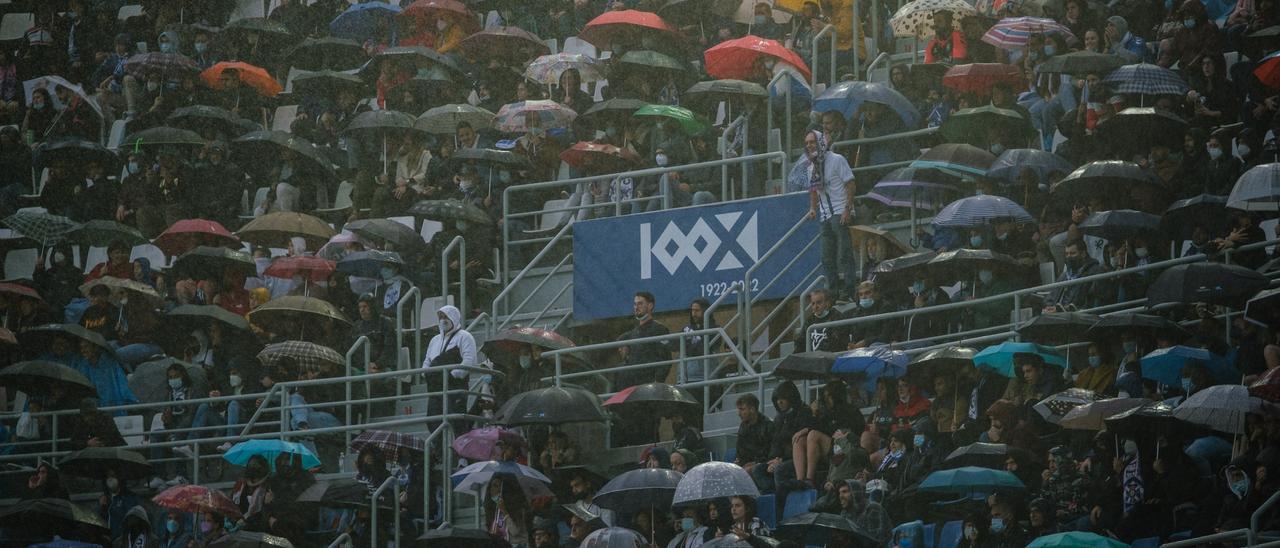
828 30
746 299
461 244
679 338
787 127
1249 534
501 300
413 297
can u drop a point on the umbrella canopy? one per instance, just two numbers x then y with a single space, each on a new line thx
271 144
1104 178
361 21
871 364
1120 224
49 516
551 405
369 264
616 111
450 211
726 89
1150 326
249 75
452 11
501 159
1149 420
820 529
958 158
890 246
160 137
20 291
1014 33
1204 210
547 69
75 151
204 260
985 455
150 381
474 478
286 313
999 358
643 489
121 288
979 78
197 498
962 264
41 336
188 234
462 538
614 537
1264 308
653 400
1256 190
304 355
806 365
1076 539
240 453
198 118
388 443
342 493
1145 79
847 97
1058 327
386 231
627 27
248 539
1214 283
1091 416
276 229
971 479
503 44
714 480
514 117
642 62
915 19
985 124
44 228
1055 407
1138 128
1165 365
262 27
444 119
326 53
328 84
946 361
900 265
980 211
1081 63
96 462
737 58
163 66
1221 407
312 269
599 157
102 233
415 57
690 123
485 443
378 125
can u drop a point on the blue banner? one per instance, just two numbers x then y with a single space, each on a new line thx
682 254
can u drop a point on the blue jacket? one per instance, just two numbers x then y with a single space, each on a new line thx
108 377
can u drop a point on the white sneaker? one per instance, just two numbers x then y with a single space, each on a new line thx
156 484
177 480
226 446
184 450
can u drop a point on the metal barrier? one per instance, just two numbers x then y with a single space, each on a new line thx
745 302
501 298
787 132
1250 534
394 483
828 30
460 243
732 350
412 296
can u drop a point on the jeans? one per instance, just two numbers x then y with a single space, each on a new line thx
837 256
775 482
302 413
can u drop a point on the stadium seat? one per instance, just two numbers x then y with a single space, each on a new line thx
798 502
930 533
1149 542
284 117
15 25
341 202
767 510
125 12
430 229
259 198
730 454
952 532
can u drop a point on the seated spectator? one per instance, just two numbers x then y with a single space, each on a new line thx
1100 376
1033 380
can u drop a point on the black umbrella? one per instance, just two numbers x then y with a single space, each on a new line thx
270 29
1264 307
897 269
328 84
95 462
964 264
638 490
505 347
342 493
40 377
435 83
509 160
205 261
150 381
380 126
402 238
368 264
257 146
551 405
42 336
823 529
1081 63
75 151
1213 283
200 117
1106 178
45 517
460 538
162 136
1057 328
942 361
1147 325
416 56
1152 419
711 92
1205 210
617 110
653 400
806 365
248 539
190 317
985 455
450 210
1139 128
326 53
1120 224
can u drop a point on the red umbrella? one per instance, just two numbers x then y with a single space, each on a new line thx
736 59
442 9
1268 70
597 157
978 78
1267 386
255 77
314 269
196 498
625 27
503 43
188 234
19 290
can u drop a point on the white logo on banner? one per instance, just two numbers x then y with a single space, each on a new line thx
700 245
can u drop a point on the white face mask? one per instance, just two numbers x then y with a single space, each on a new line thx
1141 252
153 86
235 381
1243 150
660 160
175 383
526 361
445 326
112 484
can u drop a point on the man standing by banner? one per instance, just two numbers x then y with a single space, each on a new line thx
831 190
641 353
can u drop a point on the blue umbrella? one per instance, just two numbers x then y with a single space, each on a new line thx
981 210
368 264
999 358
1164 365
240 453
971 479
846 97
915 187
1011 163
360 21
872 363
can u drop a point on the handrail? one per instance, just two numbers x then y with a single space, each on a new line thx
786 133
461 243
362 342
910 134
884 55
509 284
744 121
415 316
747 300
857 36
394 482
345 537
534 292
1257 516
827 30
559 353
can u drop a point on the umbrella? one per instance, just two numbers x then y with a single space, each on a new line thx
1120 224
150 380
1104 178
598 157
714 91
361 21
648 61
626 27
1076 539
1213 283
198 316
40 377
50 84
1011 163
325 53
204 260
1137 128
1081 63
197 498
890 246
1055 407
271 144
611 111
1013 33
276 229
48 516
1139 324
96 462
240 453
444 119
388 442
806 365
447 535
737 58
822 529
394 234
304 355
959 158
614 537
915 19
102 233
342 493
976 125
999 358
1267 386
451 10
985 455
1203 210
164 66
248 539
201 117
1220 407
160 137
966 263
368 264
1152 419
968 480
482 443
188 234
899 265
415 57
508 344
19 290
847 97
513 117
503 44
1256 190
690 123
41 335
1091 416
1145 79
488 156
291 312
120 288
551 405
871 364
252 76
312 269
327 83
547 69
714 480
639 490
979 78
980 211
947 361
75 151
1268 70
1165 365
7 337
1058 327
450 211
379 125
42 227
262 27
473 478
653 400
731 540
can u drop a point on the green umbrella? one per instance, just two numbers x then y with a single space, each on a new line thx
102 233
691 123
1076 539
652 60
971 125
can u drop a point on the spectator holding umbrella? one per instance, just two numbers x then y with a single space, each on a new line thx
249 493
93 428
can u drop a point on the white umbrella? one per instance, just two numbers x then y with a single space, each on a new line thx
50 83
714 480
1257 189
1220 407
475 477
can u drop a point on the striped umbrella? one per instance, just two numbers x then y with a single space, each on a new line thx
512 117
45 228
1257 190
305 356
1146 79
915 187
1014 32
388 442
164 66
981 210
548 68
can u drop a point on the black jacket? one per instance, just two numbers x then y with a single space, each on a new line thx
754 440
826 339
786 424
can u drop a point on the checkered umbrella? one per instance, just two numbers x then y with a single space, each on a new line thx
165 66
1146 79
388 442
1054 407
511 118
306 356
915 19
548 68
980 210
45 228
1014 32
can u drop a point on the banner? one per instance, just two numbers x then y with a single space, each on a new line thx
683 254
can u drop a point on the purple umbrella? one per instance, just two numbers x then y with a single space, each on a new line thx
482 443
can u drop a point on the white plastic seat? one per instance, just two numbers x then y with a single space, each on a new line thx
428 309
14 25
125 12
341 201
284 117
550 221
430 229
259 198
116 137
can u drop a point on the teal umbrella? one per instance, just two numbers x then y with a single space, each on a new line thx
240 453
690 123
1000 357
1076 539
971 479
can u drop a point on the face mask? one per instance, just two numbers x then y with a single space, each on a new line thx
866 302
461 226
37 106
112 484
496 499
526 361
1187 385
760 19
997 149
171 526
205 527
1243 150
1189 23
134 167
1002 237
918 440
611 131
445 326
686 524
917 288
997 525
201 47
1095 361
1130 447
235 381
1130 347
1044 187
504 177
971 532
985 276
175 383
1049 50
166 47
59 258
1141 252
386 273
1215 152
975 241
660 160
153 86
1241 487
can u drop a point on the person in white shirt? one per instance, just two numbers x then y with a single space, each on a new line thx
453 345
831 191
692 532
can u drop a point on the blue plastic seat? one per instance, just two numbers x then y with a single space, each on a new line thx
730 454
1149 542
767 510
929 534
952 532
798 502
